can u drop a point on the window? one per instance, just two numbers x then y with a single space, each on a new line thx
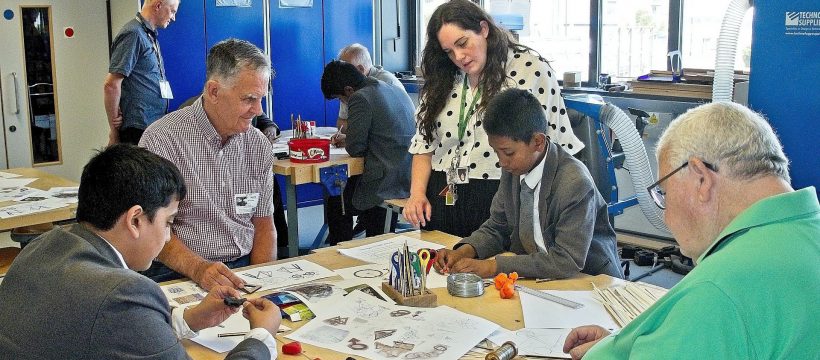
634 38
426 9
700 30
559 31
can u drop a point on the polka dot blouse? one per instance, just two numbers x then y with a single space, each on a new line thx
524 71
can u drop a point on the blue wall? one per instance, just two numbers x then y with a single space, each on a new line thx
783 84
303 40
183 50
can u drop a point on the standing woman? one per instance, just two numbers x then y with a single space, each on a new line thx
467 60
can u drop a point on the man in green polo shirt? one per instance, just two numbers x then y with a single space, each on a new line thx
730 205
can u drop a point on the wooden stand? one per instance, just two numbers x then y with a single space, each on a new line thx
426 300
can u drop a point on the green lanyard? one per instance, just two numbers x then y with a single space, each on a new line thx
462 121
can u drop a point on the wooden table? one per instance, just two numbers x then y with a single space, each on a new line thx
507 313
298 174
44 181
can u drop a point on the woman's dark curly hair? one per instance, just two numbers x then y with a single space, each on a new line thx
440 72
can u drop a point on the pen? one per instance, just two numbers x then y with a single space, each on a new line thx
543 280
240 333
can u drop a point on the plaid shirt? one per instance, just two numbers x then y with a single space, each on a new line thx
208 221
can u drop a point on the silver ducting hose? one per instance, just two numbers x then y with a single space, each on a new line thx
636 160
724 81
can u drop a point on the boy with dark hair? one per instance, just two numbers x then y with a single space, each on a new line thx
379 127
75 294
546 210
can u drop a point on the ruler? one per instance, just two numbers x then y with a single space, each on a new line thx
556 299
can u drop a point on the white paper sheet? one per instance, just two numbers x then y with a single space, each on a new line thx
540 313
367 327
285 274
535 342
15 183
67 194
7 175
380 252
236 323
183 293
29 208
375 274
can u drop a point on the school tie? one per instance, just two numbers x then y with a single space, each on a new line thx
525 224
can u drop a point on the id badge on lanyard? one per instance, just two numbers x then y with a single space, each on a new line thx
457 174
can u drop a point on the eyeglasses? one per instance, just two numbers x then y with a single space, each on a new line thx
658 195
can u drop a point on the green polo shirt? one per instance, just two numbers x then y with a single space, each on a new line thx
753 294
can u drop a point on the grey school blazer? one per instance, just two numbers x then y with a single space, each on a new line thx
67 296
379 127
574 223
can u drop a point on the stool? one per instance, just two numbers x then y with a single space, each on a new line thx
25 234
7 255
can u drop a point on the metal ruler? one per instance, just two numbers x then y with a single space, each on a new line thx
556 299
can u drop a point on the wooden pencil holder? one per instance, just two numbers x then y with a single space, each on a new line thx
425 300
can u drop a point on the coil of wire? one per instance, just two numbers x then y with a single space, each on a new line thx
465 285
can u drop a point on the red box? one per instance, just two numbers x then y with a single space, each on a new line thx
309 150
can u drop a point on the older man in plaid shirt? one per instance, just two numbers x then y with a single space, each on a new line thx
226 220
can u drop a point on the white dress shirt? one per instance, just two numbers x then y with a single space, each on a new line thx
533 180
183 331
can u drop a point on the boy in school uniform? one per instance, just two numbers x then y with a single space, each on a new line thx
546 211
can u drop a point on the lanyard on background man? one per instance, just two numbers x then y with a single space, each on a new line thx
154 43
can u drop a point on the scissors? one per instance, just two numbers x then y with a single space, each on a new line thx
395 270
427 257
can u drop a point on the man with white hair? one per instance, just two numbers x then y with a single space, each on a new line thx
136 90
226 220
728 200
358 55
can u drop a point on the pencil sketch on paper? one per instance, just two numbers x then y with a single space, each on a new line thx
368 273
394 351
432 354
327 335
537 344
288 274
290 268
356 344
381 334
336 321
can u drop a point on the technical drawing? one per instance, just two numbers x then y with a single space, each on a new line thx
336 321
290 268
380 334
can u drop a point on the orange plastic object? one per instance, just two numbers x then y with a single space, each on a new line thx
508 291
505 284
500 279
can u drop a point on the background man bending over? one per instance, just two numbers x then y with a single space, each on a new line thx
380 125
226 220
72 293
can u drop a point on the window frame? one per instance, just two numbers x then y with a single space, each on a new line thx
595 33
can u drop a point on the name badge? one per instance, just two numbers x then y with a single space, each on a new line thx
165 89
246 203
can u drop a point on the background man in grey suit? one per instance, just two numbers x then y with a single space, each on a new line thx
73 293
358 55
546 210
380 125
